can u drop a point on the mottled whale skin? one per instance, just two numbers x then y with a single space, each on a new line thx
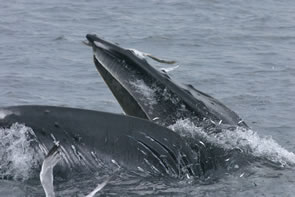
90 138
145 92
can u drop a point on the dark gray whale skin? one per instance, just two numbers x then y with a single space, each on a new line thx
91 138
122 70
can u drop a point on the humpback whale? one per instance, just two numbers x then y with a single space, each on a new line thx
145 92
91 140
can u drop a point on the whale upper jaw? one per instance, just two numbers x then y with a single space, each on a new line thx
145 92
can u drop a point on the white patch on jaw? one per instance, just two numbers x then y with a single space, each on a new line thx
169 69
4 113
100 45
139 54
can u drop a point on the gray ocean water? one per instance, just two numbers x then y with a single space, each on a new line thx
240 52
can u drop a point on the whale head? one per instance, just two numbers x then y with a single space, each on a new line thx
125 72
145 92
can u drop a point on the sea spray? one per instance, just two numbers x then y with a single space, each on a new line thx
246 140
18 157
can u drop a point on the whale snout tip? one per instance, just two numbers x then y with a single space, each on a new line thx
91 37
98 43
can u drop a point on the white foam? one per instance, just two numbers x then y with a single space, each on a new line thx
244 139
4 113
18 157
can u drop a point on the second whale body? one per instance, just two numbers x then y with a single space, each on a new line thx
92 139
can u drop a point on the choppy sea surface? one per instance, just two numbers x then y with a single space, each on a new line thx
240 52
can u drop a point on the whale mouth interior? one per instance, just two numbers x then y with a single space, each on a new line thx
121 69
128 103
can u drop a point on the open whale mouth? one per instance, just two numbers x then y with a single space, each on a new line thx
141 90
145 92
120 69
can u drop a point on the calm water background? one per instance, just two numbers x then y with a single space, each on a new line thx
240 52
